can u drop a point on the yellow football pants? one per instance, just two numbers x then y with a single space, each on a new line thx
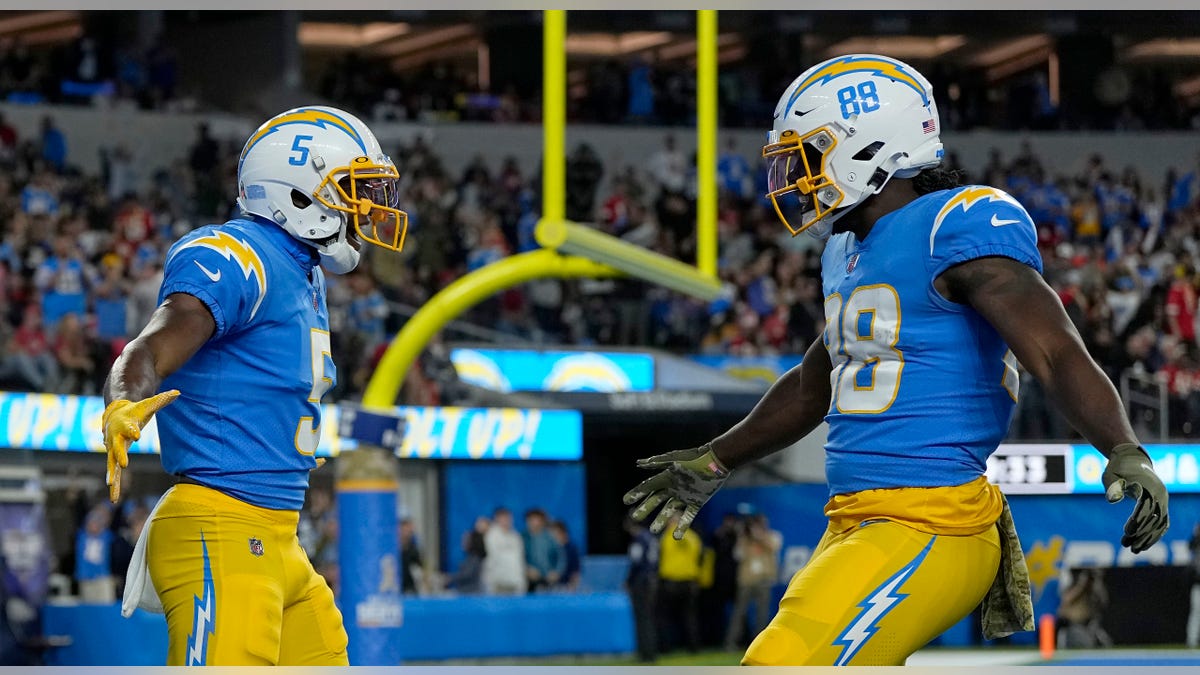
237 587
874 594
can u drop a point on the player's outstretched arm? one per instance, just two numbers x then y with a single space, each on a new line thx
788 412
1028 314
177 329
790 409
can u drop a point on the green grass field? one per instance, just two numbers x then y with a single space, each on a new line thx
703 658
1000 656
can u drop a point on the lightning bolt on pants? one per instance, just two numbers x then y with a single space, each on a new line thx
233 602
874 594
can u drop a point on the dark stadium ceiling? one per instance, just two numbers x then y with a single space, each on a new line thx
1002 43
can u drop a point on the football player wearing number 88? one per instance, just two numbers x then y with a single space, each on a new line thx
933 292
238 352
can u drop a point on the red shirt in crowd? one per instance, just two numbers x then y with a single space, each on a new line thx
1181 310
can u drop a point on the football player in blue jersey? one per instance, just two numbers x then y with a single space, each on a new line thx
239 347
933 293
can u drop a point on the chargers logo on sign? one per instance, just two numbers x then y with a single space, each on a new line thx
587 372
479 370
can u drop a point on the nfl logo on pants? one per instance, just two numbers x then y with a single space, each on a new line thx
256 546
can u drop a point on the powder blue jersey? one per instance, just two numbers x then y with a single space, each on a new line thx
923 388
248 415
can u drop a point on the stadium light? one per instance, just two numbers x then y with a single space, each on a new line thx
574 239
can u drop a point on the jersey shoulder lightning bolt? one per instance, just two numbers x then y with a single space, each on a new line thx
217 247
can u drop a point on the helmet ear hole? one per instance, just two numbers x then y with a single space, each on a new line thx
300 200
868 152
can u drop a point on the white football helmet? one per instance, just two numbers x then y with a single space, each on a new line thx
842 130
315 171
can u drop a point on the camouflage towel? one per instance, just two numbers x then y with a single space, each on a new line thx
1008 605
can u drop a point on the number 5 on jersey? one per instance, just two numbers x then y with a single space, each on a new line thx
861 335
307 435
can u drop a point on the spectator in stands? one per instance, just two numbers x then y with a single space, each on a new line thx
121 171
572 564
679 584
19 621
668 167
468 578
391 108
8 143
109 301
309 530
74 350
544 559
125 541
63 280
163 75
1179 374
1080 610
642 584
318 534
54 145
734 174
204 160
1182 305
1193 623
584 172
20 71
93 557
504 570
641 91
757 553
39 197
143 296
29 355
412 567
715 601
367 310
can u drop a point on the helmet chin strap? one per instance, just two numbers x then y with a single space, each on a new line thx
339 257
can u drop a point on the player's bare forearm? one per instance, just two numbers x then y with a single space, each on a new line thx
177 329
1030 317
790 409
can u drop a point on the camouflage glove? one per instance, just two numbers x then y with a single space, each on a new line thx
690 478
1130 472
122 423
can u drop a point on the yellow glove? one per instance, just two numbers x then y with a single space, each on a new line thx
122 423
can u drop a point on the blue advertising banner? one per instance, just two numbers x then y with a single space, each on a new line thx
53 422
509 370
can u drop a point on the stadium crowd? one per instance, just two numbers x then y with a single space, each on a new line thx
81 260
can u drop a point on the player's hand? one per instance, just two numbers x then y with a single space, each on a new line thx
123 422
691 476
1130 472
